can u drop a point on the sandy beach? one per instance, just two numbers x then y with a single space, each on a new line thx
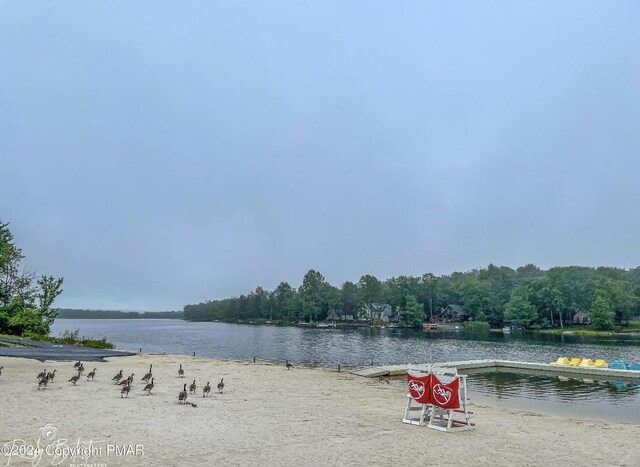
268 415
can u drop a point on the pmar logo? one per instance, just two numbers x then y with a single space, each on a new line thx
442 394
416 389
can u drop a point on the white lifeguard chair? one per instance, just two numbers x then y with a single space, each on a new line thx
440 397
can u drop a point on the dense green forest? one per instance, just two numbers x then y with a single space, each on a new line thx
26 299
526 297
67 313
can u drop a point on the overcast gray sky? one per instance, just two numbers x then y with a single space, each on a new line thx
156 154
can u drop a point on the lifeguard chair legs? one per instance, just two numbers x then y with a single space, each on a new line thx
431 401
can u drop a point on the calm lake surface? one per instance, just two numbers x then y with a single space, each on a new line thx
349 347
580 398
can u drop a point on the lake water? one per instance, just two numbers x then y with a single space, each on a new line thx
349 347
582 398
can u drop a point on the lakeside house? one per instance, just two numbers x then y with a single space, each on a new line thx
452 314
379 311
333 316
346 316
581 317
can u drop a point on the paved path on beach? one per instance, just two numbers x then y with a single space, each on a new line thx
47 351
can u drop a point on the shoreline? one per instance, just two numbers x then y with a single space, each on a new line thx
46 351
273 416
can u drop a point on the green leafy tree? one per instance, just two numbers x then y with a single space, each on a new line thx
548 298
602 315
431 293
396 290
283 302
350 300
314 296
25 307
478 296
412 313
623 300
519 310
370 293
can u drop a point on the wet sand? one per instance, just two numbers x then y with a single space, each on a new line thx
268 415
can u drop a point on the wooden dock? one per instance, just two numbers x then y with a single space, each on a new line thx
571 371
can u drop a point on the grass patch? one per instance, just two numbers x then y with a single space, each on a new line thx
476 326
73 338
67 337
589 331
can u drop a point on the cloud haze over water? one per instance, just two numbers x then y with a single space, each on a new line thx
156 154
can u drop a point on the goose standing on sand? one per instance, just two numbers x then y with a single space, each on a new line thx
180 372
42 374
81 369
117 377
182 397
1 367
288 365
221 385
129 380
50 375
148 376
76 364
43 383
74 379
91 374
206 390
125 389
149 387
192 388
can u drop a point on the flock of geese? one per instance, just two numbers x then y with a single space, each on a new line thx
45 378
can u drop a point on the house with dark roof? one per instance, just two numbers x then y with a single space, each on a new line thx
453 314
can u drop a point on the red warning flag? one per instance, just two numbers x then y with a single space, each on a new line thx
420 388
446 396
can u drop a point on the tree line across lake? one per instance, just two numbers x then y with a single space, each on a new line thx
68 313
527 297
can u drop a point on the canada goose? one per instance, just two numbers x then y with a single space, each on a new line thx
192 387
42 374
76 364
1 367
117 377
125 389
91 375
182 397
206 390
43 383
148 376
149 387
81 368
50 375
288 365
129 380
221 385
74 379
180 372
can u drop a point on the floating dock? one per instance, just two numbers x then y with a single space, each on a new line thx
575 371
